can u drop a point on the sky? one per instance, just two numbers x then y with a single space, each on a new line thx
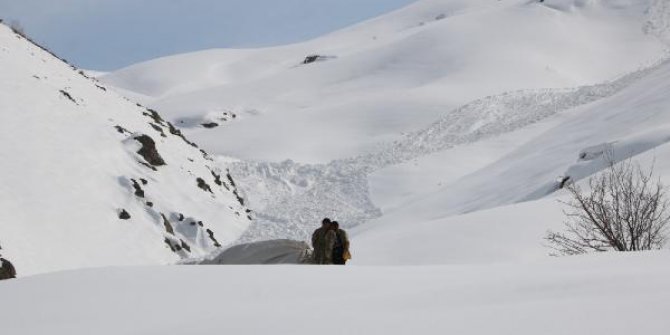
106 35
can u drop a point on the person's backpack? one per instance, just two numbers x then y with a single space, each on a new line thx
7 270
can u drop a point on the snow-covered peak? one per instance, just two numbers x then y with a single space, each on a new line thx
90 178
373 82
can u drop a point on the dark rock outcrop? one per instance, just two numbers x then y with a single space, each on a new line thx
138 189
203 185
167 224
148 150
67 95
124 215
211 237
210 125
7 270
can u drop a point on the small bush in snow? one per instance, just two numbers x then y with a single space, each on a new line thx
626 210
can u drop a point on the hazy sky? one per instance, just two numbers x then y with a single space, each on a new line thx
109 34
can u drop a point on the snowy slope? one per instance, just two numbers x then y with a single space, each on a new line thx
604 294
526 164
408 106
446 220
73 160
393 74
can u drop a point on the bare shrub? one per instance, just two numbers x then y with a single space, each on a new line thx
626 210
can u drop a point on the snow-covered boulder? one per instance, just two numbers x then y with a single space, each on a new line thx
264 252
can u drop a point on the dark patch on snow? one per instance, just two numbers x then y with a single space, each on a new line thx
67 95
83 74
121 129
154 116
7 269
175 247
168 226
217 178
124 215
147 165
185 246
314 58
158 129
230 179
441 17
150 204
181 217
235 192
210 125
138 189
564 181
148 151
239 199
211 237
101 87
174 131
310 59
203 185
144 181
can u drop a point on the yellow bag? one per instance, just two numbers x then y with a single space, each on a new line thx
346 255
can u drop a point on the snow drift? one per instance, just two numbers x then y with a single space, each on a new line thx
579 296
263 252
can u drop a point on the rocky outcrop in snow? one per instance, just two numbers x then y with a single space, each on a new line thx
92 179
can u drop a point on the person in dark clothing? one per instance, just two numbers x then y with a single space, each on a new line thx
341 247
323 240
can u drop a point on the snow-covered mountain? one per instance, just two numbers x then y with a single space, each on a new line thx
89 178
438 134
415 86
395 74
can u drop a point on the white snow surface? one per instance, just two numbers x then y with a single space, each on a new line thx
437 135
67 172
605 294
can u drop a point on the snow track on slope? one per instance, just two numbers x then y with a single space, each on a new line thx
493 116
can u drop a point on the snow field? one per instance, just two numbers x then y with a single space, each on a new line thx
438 141
598 294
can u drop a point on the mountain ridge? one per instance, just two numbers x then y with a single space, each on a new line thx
92 179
